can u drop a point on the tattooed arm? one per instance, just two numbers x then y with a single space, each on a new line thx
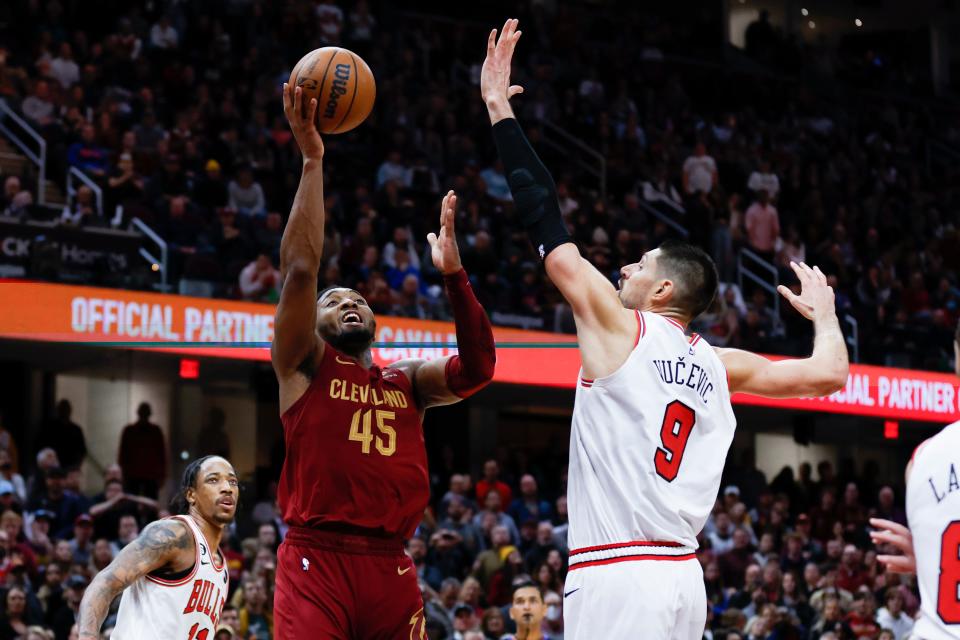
165 543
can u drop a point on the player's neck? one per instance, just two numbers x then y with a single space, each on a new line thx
212 532
364 357
674 314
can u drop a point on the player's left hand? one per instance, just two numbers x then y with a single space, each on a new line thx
443 248
899 536
816 296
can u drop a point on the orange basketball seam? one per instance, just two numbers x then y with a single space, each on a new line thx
356 84
323 81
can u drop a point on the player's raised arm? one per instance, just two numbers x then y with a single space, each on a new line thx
592 296
295 332
159 545
451 379
822 373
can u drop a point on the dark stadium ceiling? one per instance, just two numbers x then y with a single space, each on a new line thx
838 16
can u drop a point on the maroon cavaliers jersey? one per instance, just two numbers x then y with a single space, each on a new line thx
355 451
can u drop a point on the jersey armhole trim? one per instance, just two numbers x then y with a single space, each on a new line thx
641 328
196 560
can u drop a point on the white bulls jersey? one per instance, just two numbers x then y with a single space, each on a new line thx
933 512
647 448
185 609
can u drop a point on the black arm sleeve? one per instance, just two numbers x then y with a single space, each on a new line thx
532 186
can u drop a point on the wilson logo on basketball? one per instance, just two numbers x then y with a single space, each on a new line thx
341 75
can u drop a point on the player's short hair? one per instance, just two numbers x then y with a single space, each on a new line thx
188 480
525 584
327 290
693 273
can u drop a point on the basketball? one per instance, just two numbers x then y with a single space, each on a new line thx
341 82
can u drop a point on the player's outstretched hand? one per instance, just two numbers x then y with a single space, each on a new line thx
892 533
443 248
303 122
816 296
495 84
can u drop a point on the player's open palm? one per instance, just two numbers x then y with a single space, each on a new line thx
443 247
495 73
303 122
816 296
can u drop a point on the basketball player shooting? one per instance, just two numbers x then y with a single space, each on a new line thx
176 575
652 419
354 483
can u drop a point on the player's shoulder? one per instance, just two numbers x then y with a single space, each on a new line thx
166 536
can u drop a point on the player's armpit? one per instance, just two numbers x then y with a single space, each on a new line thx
793 378
295 326
592 296
432 384
160 544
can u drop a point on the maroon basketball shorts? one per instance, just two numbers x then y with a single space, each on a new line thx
345 587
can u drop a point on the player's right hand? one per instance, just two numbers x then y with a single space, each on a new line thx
816 296
897 535
495 84
303 122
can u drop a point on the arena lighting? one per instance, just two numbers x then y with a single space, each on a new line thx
804 13
812 24
189 369
155 266
184 455
858 22
891 429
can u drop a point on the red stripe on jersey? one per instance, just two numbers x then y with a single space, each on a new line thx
592 563
694 339
620 545
674 323
641 328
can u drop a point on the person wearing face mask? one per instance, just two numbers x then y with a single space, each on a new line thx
553 621
527 612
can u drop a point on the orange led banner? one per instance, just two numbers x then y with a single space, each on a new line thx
223 328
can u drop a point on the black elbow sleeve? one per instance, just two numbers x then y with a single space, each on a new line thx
533 189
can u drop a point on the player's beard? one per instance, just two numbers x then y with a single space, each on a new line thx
353 341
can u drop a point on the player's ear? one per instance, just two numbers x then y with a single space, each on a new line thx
664 291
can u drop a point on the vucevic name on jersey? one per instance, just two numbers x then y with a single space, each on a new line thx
690 375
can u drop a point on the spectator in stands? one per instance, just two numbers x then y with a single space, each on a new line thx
260 280
886 507
491 481
11 187
699 171
82 542
127 531
255 616
64 436
493 510
143 454
245 195
38 107
15 479
16 617
489 561
763 226
429 573
529 505
211 191
64 68
538 552
496 182
763 179
82 211
163 35
892 616
66 617
125 187
65 504
721 538
411 303
392 169
148 133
